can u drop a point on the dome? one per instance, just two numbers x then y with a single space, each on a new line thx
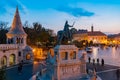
27 48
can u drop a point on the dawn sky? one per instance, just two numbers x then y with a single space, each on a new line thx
103 14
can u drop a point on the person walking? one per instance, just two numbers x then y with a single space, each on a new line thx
20 65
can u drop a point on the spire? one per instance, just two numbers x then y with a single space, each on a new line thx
16 27
92 28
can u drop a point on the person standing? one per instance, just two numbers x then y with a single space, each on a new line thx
89 59
102 62
93 61
97 60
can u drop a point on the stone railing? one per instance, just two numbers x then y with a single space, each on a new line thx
8 46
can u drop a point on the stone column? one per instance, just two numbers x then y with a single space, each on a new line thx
14 40
7 40
8 60
24 40
68 55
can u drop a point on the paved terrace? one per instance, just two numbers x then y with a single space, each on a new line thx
106 72
27 71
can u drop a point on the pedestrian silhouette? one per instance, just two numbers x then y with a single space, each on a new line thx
87 71
20 65
93 61
89 59
102 62
97 60
118 74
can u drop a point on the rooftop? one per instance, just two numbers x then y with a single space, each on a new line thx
16 27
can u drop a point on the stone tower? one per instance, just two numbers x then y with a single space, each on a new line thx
92 29
16 34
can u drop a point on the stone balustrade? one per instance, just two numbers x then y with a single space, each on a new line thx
8 46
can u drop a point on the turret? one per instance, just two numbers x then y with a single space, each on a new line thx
92 28
16 34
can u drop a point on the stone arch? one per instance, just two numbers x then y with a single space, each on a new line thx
18 40
4 61
28 56
12 59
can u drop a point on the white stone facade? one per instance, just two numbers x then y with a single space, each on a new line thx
16 49
68 66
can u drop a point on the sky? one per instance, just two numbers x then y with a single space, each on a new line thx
104 15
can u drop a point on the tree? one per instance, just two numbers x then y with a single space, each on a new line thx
3 25
2 74
37 34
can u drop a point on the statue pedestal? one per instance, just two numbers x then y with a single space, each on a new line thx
68 66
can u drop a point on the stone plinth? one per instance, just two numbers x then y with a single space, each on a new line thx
68 65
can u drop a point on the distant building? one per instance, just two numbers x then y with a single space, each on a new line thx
16 49
117 39
39 54
80 35
114 39
97 37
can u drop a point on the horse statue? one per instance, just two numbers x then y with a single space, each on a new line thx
63 36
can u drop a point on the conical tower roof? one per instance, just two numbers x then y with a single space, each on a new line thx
16 27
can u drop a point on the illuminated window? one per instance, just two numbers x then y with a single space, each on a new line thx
28 57
64 56
73 55
4 61
12 59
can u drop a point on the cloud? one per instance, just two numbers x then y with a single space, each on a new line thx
76 12
7 5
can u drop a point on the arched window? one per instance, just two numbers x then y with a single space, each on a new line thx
18 40
11 40
12 59
4 61
64 55
19 53
28 56
73 55
22 40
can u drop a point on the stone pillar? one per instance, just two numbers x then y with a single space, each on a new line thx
24 40
14 40
8 60
69 55
7 40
